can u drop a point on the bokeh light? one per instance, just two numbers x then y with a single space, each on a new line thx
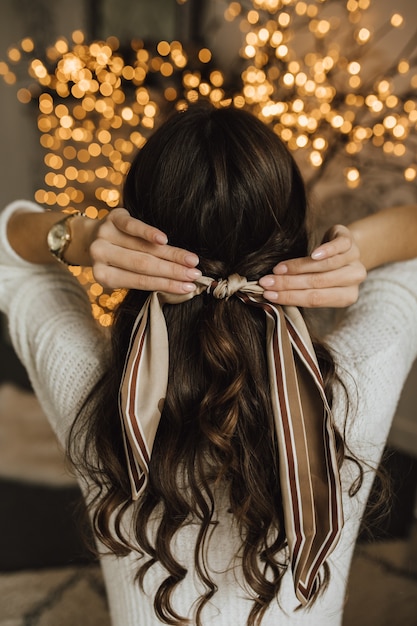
97 105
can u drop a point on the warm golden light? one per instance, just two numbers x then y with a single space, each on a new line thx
96 107
352 176
363 36
204 55
307 97
397 20
410 173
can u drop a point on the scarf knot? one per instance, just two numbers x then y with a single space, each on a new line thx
224 288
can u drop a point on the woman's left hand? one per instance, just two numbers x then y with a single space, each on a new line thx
126 252
330 277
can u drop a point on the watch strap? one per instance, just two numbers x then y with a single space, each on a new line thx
59 237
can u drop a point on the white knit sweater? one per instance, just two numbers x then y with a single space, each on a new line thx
64 352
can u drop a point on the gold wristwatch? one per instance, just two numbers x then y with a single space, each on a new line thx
59 237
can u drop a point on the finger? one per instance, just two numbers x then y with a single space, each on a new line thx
345 276
116 278
339 245
136 228
337 240
307 265
110 232
143 263
335 297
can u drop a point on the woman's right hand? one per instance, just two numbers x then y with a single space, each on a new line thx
127 253
329 277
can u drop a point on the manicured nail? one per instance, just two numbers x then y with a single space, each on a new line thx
318 254
193 273
188 287
273 295
160 238
266 281
281 269
191 259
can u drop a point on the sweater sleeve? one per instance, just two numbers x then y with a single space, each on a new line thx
51 329
374 348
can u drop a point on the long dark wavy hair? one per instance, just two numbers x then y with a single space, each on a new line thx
224 186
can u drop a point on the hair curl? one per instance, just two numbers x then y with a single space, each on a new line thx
221 184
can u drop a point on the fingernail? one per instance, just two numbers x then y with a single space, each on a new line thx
188 287
273 295
266 281
160 238
193 273
191 259
318 254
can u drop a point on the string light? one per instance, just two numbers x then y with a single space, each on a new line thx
95 109
96 106
329 82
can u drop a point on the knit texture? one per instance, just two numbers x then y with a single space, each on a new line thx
65 352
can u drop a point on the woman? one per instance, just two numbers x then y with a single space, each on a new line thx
210 510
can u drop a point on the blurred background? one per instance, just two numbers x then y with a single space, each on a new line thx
82 84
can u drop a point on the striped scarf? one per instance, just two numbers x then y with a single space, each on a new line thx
308 470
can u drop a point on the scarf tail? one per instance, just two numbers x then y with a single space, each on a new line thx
309 475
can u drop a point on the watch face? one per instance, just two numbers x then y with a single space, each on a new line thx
57 237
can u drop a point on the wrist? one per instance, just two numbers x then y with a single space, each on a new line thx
372 254
83 233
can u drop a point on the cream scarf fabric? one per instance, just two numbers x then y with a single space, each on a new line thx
309 476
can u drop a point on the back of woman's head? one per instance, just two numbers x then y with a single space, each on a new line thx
222 184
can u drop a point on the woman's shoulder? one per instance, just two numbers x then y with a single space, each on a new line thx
374 347
385 314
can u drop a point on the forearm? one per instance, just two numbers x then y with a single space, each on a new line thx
387 236
123 252
27 234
